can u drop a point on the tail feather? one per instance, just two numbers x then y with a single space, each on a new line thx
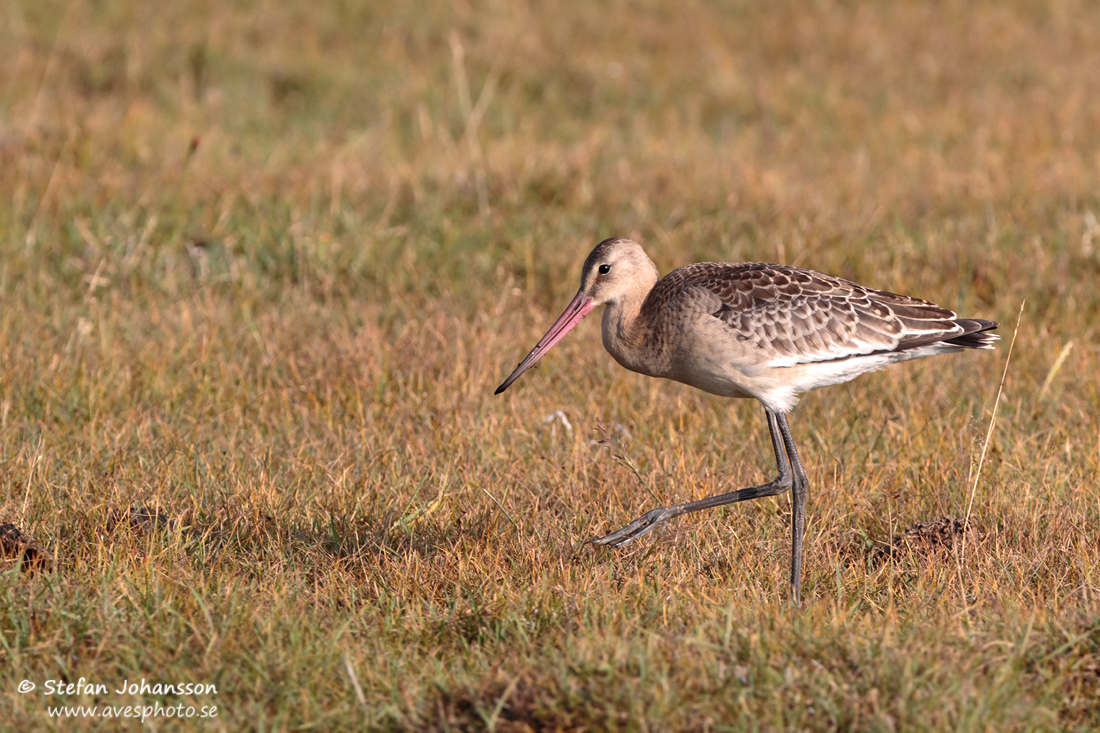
974 334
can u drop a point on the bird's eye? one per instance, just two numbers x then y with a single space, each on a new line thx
604 269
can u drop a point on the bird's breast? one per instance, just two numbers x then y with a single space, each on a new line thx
633 345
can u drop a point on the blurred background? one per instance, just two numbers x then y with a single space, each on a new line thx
453 138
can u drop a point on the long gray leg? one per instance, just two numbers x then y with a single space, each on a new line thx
800 492
777 426
791 475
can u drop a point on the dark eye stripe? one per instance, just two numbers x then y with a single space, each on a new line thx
604 269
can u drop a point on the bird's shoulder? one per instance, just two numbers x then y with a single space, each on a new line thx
745 285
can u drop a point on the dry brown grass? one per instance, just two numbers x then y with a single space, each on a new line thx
261 268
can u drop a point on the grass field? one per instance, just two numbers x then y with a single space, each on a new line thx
262 266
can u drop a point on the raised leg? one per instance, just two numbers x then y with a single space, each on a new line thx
791 476
652 519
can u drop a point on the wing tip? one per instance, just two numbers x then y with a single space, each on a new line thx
975 334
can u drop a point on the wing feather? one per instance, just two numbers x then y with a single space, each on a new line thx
799 316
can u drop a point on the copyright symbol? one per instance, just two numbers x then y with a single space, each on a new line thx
26 686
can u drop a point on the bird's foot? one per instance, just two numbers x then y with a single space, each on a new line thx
643 525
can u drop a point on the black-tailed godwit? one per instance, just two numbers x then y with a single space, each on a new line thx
747 329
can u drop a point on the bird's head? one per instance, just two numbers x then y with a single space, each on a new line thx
617 269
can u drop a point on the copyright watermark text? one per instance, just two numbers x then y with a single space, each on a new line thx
142 687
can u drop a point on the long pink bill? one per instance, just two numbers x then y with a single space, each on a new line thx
578 308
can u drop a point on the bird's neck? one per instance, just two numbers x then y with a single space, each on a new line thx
625 329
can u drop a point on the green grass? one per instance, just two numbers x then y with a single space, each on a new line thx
261 267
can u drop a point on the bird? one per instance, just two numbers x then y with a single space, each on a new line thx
750 330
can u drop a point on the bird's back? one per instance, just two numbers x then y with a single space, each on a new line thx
774 331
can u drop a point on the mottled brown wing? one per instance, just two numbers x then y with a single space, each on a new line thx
801 316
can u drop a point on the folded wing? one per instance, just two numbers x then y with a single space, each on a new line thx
799 316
